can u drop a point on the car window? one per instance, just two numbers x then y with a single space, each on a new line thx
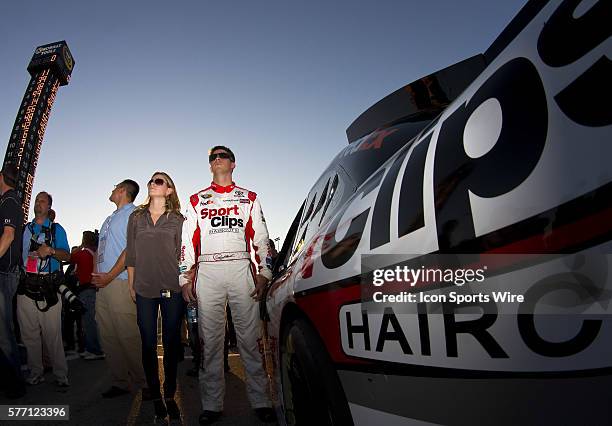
310 209
363 157
329 192
283 255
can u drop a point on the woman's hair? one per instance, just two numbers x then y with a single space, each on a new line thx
173 205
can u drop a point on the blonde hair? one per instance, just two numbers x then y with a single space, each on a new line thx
173 205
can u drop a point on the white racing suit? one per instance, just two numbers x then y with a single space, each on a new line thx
222 225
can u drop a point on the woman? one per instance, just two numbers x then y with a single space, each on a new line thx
152 253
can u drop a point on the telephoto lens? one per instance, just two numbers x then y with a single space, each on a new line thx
74 304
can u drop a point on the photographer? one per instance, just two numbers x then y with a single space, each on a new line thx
38 311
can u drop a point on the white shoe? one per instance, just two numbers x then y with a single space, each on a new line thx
35 379
84 354
93 357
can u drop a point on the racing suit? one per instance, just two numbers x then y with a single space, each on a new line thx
222 224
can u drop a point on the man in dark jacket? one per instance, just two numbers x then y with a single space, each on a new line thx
11 227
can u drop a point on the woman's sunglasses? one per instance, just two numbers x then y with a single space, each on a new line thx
157 181
222 155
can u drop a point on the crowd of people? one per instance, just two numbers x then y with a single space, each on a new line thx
147 259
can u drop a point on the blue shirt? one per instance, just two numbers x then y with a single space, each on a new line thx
34 231
113 239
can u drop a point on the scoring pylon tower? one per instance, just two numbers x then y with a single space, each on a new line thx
50 68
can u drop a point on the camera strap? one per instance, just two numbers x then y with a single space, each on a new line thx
32 264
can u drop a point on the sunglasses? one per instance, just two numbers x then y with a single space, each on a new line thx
222 155
157 181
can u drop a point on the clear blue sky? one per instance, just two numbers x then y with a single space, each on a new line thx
157 83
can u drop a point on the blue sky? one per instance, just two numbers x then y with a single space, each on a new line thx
158 83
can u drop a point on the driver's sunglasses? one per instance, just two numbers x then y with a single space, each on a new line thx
222 155
157 181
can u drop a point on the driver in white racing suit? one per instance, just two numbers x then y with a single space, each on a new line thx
223 222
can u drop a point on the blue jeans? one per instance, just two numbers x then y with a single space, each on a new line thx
172 311
9 353
92 335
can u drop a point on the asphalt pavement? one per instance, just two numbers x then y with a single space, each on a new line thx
88 379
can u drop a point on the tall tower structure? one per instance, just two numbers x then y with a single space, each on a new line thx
50 68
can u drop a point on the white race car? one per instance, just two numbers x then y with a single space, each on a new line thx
499 164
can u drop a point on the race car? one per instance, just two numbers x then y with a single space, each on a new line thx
496 168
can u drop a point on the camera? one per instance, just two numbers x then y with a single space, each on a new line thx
34 245
74 304
35 240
